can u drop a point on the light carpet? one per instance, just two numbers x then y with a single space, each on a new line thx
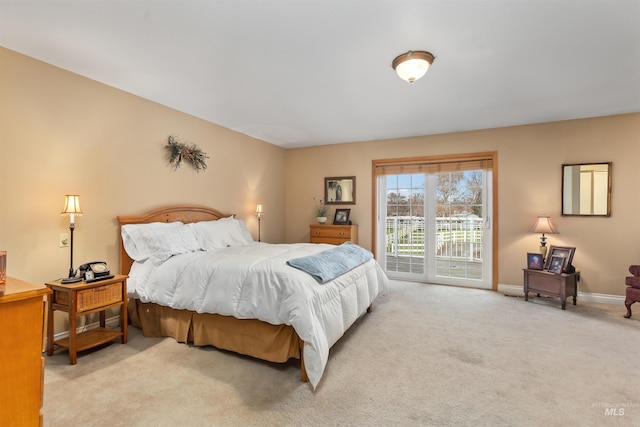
427 355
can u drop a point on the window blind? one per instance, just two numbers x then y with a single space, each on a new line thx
482 161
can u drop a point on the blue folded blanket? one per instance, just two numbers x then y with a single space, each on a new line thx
329 264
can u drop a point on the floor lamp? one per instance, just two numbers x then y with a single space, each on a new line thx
259 213
71 208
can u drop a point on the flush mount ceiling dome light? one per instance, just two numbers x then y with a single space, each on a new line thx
412 65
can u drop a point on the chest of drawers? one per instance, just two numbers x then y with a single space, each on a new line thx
22 367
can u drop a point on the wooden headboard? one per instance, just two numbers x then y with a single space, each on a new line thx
184 213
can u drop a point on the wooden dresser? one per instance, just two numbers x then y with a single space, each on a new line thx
22 365
333 234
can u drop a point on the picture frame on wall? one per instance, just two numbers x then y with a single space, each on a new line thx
534 261
341 217
340 190
557 263
562 251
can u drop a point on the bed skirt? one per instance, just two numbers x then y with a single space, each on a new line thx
251 337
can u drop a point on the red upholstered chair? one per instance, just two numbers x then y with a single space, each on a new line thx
633 289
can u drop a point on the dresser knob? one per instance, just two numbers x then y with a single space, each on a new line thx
342 233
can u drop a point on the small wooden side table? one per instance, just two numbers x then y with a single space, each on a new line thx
560 285
81 299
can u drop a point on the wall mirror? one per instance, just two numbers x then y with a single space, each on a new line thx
340 190
586 189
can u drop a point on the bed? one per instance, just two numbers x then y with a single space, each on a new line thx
236 294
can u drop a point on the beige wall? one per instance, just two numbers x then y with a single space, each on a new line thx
529 184
61 133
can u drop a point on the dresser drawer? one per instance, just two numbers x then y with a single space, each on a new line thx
333 234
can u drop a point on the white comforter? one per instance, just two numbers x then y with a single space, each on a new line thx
254 282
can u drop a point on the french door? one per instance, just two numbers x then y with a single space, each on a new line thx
434 222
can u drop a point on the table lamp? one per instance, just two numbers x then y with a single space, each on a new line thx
543 225
259 213
71 208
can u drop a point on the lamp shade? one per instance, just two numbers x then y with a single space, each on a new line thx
259 208
543 225
412 65
71 205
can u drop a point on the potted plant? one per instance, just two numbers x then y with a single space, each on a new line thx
321 211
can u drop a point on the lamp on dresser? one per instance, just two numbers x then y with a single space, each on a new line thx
71 208
543 225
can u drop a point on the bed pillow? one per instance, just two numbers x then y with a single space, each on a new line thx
244 231
173 241
220 233
240 233
141 241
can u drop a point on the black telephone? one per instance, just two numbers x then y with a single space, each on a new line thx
94 271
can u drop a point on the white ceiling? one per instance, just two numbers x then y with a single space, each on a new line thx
312 72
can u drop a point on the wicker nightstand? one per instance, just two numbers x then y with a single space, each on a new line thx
80 299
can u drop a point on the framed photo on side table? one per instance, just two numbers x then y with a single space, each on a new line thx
534 261
342 217
557 264
562 251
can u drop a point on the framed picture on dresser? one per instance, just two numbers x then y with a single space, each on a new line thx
342 217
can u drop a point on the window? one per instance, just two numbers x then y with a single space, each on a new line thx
433 219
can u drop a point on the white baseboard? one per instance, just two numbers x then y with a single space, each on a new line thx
112 323
582 296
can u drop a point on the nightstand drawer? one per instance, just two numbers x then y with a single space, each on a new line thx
99 297
89 299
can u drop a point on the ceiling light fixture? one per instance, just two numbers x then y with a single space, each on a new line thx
412 65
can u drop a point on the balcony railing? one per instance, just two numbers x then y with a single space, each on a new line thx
455 237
